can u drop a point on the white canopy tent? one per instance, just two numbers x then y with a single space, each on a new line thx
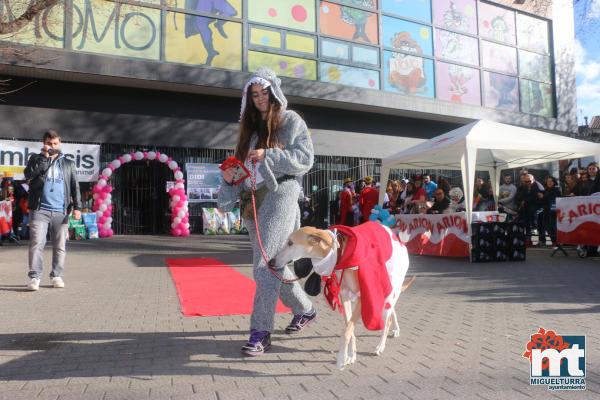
488 146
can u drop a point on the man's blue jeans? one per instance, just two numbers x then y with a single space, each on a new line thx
42 221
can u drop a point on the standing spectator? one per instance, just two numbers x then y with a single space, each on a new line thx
53 192
419 197
409 192
581 189
483 196
593 185
307 213
394 202
529 201
346 200
444 185
429 186
441 203
548 220
570 182
369 197
506 196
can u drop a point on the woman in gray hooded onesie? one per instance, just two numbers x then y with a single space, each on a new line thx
275 145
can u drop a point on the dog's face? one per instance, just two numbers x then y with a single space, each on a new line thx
306 242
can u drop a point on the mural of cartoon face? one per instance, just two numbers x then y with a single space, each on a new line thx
406 72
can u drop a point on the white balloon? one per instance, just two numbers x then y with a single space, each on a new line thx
126 157
176 220
116 163
138 155
178 175
99 214
175 198
107 172
102 207
187 225
174 225
163 158
151 155
106 225
101 182
95 196
181 213
108 197
109 220
173 164
185 203
179 186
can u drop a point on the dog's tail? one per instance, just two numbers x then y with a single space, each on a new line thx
407 283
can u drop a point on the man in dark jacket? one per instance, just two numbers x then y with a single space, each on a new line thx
441 203
529 201
53 192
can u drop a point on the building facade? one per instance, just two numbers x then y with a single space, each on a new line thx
371 77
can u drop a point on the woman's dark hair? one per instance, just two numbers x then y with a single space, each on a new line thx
250 123
553 179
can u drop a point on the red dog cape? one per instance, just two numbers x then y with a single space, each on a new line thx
368 247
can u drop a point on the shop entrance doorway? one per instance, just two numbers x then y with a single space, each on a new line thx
140 198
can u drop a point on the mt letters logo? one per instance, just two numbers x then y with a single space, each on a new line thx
557 361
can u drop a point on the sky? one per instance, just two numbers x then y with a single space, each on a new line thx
587 60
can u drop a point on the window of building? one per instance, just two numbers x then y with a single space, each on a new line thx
455 47
293 67
457 84
408 75
419 10
291 14
47 33
406 36
536 98
497 23
455 15
348 23
532 33
499 58
350 76
500 91
534 66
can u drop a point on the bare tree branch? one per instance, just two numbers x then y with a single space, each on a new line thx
29 14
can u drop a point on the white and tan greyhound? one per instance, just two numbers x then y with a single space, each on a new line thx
325 248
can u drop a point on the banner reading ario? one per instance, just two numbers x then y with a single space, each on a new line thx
578 220
444 235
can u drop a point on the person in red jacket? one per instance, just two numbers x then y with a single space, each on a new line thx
346 200
369 197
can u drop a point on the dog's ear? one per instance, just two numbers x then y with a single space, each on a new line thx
303 267
312 286
321 239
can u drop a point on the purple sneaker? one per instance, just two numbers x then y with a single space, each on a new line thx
300 321
259 342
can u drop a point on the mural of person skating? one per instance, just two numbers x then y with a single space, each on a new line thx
205 40
195 25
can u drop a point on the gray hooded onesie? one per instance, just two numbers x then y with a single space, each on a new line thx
279 214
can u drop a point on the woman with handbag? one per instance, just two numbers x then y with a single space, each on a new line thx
275 146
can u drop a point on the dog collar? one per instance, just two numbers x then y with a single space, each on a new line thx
325 265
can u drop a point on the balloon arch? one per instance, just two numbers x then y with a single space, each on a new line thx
180 224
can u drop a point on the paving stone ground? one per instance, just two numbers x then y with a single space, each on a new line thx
116 331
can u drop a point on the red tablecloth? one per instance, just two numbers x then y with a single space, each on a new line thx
578 220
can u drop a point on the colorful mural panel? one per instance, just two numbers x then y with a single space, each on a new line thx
116 29
191 39
455 47
498 57
348 23
536 98
265 37
457 84
534 66
46 29
335 49
292 67
409 75
500 91
370 4
406 36
344 75
220 8
415 9
532 33
497 23
292 14
456 15
300 43
365 55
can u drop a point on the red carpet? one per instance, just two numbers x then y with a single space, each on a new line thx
207 287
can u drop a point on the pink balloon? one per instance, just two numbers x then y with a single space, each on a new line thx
107 188
110 232
185 219
185 233
169 160
96 189
176 232
102 196
112 167
101 220
145 154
